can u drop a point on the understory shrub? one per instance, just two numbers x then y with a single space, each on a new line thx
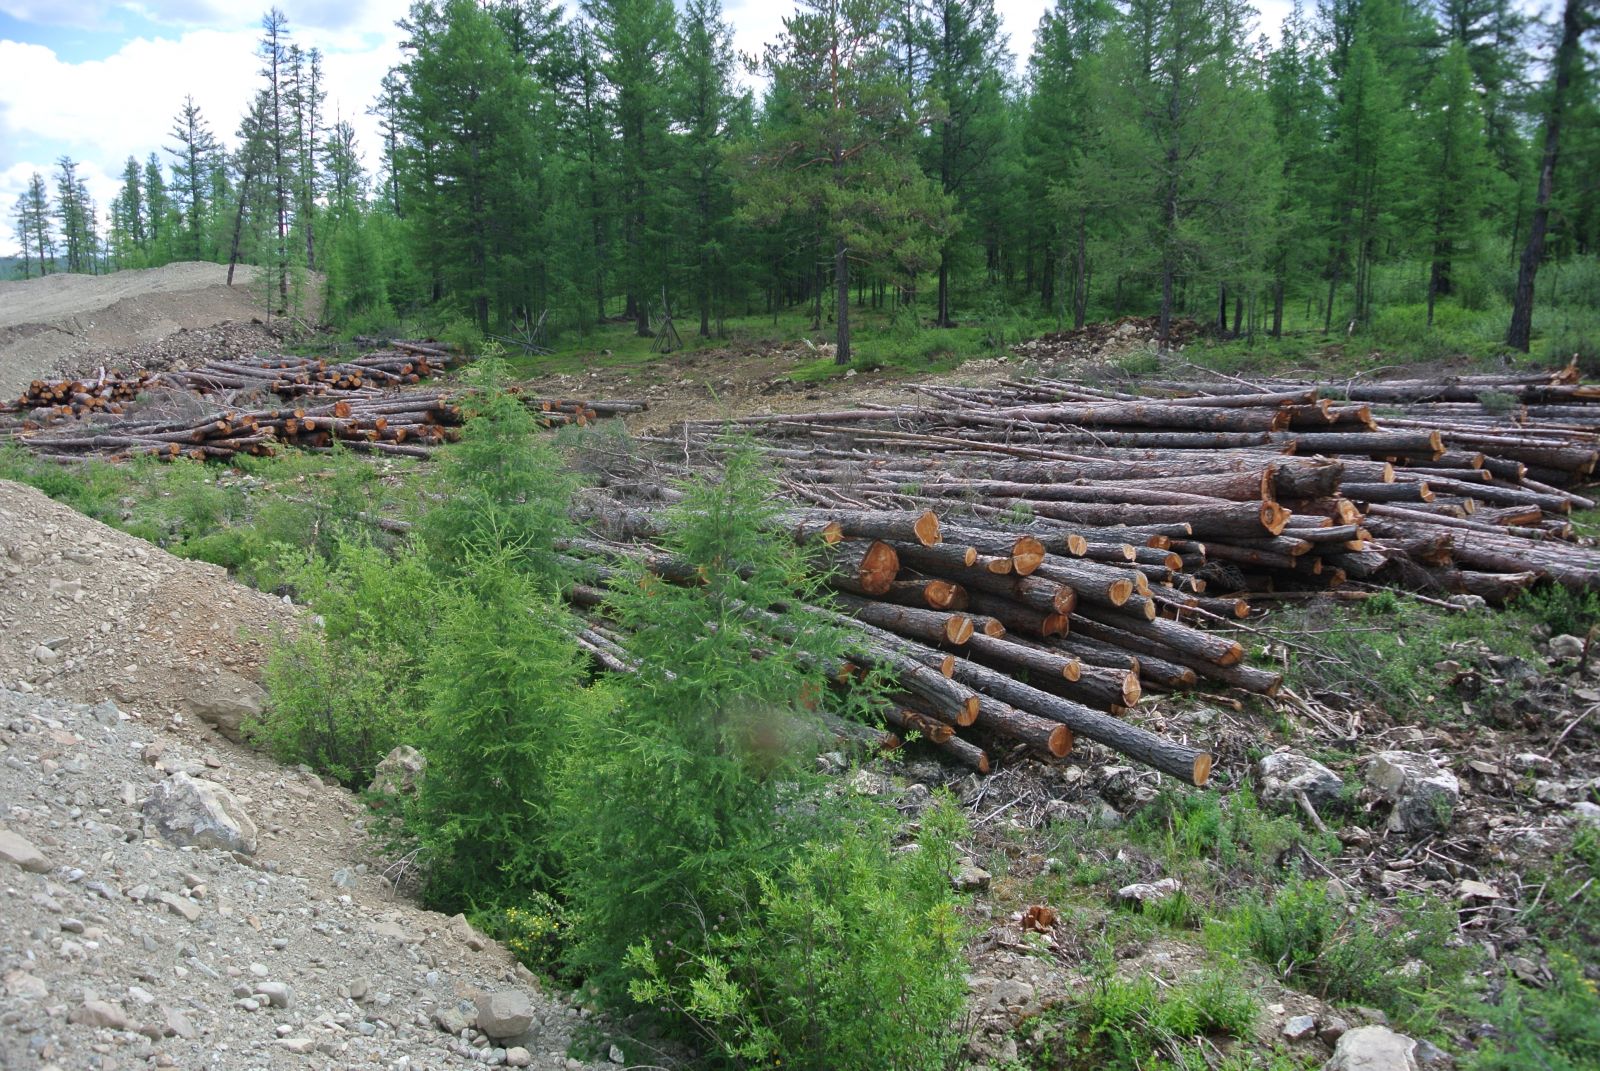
503 683
849 957
1343 950
343 695
715 878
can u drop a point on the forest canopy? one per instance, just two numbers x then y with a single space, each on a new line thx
616 160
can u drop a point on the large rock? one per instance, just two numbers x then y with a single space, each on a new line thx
225 701
1423 795
1281 776
19 851
187 811
505 1014
399 771
1373 1048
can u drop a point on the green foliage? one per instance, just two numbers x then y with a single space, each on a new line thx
535 927
848 958
1387 652
503 487
697 774
1562 609
1138 1025
342 696
1343 949
1556 1028
1231 831
504 684
93 489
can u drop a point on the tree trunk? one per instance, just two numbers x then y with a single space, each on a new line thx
1521 329
841 271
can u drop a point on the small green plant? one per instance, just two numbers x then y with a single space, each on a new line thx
1343 950
1556 1028
535 928
343 695
1136 1025
848 959
1562 609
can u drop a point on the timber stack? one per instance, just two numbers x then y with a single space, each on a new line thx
1038 556
364 404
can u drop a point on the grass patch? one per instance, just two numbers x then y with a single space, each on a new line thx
1138 1025
1388 650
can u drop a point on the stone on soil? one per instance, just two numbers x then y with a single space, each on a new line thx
399 771
1373 1048
20 852
1423 794
1282 775
189 812
505 1014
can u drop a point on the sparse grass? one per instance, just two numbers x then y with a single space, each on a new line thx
1406 961
1388 651
1138 1025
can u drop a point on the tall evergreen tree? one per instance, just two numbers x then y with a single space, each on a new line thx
635 39
75 216
840 150
1453 170
194 157
706 108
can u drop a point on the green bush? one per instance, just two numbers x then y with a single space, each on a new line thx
1556 1028
503 486
1562 609
503 682
94 488
1349 951
1138 1025
698 773
849 959
343 695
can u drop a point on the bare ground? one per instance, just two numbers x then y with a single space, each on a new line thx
71 322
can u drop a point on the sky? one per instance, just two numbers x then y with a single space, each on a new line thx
99 80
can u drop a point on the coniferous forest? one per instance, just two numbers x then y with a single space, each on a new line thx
1389 165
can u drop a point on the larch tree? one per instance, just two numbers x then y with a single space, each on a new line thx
635 39
468 176
194 156
1453 169
706 109
273 51
1576 20
75 216
964 90
842 150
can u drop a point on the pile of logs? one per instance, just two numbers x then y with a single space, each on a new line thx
47 401
1030 559
362 404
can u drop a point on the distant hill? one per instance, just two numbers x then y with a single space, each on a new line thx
9 267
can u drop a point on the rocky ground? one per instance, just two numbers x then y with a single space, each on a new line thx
151 318
172 898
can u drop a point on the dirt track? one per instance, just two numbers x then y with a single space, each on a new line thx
64 320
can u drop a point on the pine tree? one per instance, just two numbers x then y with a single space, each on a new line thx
706 108
273 51
840 150
195 156
129 239
635 39
1299 109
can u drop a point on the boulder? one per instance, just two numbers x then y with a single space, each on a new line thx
1281 776
189 812
399 771
505 1014
1566 647
970 877
225 702
1373 1048
20 852
1422 794
1143 893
